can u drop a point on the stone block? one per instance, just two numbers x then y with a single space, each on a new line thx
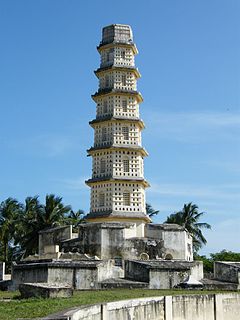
44 290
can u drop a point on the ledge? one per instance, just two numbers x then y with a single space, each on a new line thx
118 67
112 146
109 178
127 44
114 118
112 91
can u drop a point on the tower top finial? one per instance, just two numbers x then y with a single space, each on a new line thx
117 33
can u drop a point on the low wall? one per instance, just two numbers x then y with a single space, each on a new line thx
184 307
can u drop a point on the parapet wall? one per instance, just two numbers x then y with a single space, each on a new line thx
182 307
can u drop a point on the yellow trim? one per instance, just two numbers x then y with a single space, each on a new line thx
106 219
119 180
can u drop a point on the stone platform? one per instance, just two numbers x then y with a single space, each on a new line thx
44 290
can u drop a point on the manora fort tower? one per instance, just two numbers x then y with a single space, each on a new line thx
117 183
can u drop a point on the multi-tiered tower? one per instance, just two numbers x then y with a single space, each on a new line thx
117 183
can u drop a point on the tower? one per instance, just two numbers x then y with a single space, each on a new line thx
117 183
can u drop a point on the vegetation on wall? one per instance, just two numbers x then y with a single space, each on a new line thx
21 222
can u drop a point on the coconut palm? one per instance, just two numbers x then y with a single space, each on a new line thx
189 218
37 217
9 211
75 218
150 211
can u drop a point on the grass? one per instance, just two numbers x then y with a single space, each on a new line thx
31 308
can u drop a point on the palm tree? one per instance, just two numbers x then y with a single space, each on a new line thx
189 218
9 211
75 218
37 217
150 211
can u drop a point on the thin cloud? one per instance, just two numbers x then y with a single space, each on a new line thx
204 191
47 145
194 127
74 184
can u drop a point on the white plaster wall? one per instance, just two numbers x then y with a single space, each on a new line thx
199 307
197 270
114 56
181 307
113 106
114 134
114 164
176 244
114 196
114 80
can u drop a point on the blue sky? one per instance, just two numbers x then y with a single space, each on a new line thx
189 60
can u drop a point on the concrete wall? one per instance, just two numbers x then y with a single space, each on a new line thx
186 307
53 236
166 279
227 271
111 240
176 241
162 274
28 274
2 270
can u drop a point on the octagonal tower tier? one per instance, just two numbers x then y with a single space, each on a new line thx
117 183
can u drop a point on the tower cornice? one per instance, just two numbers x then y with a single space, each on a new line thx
111 92
112 147
110 178
113 67
138 121
104 46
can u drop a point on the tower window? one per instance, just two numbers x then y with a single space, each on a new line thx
125 132
124 80
101 199
102 166
126 165
123 54
104 134
124 105
126 198
107 81
105 106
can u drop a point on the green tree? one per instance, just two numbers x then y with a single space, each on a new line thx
150 211
75 218
223 255
9 211
189 218
38 217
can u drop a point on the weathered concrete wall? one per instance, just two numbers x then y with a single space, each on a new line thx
136 271
61 275
196 307
176 241
186 307
141 309
76 274
108 241
53 236
28 273
2 270
227 271
166 279
161 274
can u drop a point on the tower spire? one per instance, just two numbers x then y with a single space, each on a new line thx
117 183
